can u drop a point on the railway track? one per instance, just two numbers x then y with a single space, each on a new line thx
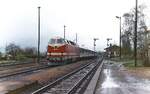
16 67
21 72
13 63
72 83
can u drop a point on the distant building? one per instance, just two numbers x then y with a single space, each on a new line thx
112 51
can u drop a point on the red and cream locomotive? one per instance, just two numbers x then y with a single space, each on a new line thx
60 51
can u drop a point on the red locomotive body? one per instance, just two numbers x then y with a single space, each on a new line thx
61 51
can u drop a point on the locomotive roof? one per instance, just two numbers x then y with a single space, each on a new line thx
65 40
73 43
57 38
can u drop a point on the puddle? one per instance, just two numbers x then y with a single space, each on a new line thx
109 82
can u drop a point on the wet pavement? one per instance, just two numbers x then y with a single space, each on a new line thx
115 80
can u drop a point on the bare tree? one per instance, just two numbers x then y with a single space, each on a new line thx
127 34
13 49
30 51
128 30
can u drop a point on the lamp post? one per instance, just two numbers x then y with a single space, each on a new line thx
120 34
64 32
38 60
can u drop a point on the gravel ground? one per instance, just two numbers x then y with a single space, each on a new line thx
16 68
41 77
54 72
46 76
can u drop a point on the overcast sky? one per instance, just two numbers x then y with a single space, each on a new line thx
88 18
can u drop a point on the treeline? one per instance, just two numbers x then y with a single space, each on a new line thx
15 52
142 35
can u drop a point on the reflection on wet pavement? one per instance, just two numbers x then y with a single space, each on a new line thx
108 83
115 81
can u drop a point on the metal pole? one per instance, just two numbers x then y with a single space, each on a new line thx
76 38
64 31
38 60
95 45
120 37
135 35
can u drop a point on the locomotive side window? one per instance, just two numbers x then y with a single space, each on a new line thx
71 43
68 42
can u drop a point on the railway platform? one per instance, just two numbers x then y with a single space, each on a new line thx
115 79
92 85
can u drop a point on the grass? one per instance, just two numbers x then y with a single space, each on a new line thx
128 62
131 63
6 61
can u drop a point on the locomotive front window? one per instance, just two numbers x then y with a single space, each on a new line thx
52 41
60 41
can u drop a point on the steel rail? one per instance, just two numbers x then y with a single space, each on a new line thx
24 71
45 88
15 63
89 74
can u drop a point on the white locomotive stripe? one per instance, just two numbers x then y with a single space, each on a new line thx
72 54
61 53
48 53
56 53
58 45
64 53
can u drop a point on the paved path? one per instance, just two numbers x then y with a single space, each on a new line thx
114 80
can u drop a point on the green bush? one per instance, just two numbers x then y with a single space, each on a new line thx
20 57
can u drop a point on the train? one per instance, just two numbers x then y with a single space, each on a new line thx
61 51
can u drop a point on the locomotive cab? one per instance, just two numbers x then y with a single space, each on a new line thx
56 50
56 46
61 51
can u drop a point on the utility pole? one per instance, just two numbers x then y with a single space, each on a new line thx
135 34
76 38
120 34
64 32
38 60
95 44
